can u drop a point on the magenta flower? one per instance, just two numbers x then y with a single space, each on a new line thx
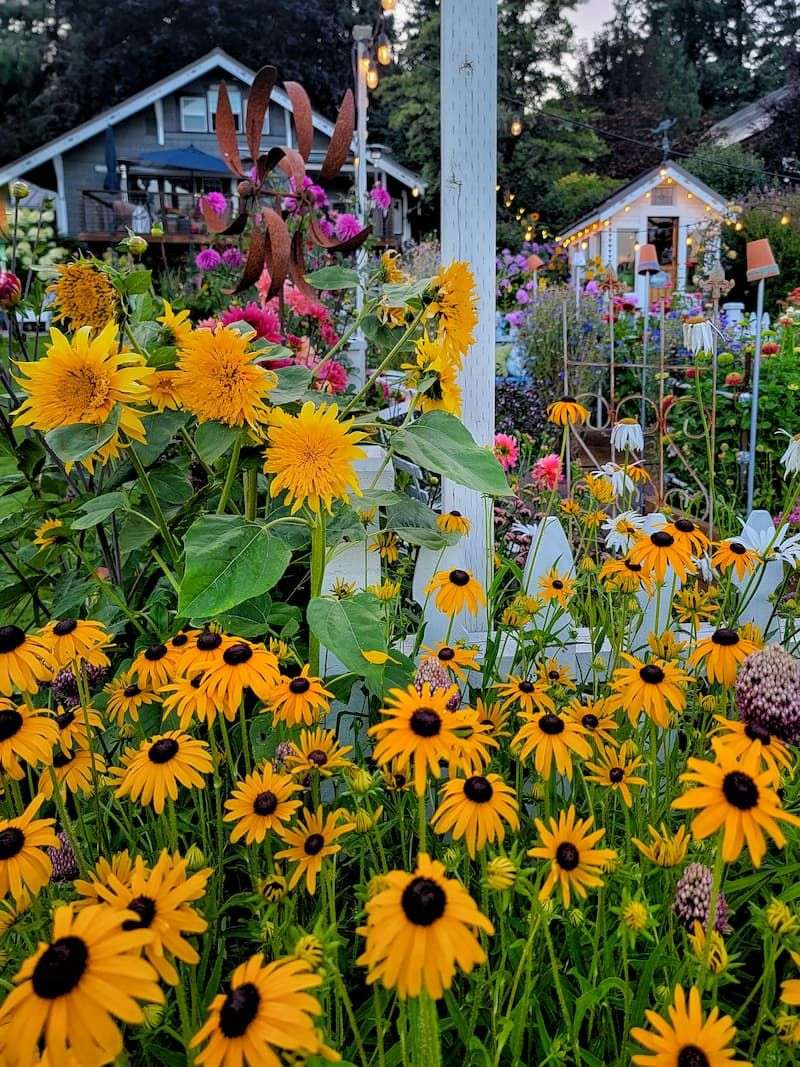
546 473
331 377
347 227
326 226
216 201
232 258
208 259
263 320
506 450
381 198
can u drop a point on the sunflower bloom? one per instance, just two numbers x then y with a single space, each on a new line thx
687 1036
24 661
220 381
659 550
432 363
456 591
739 737
74 771
722 654
616 769
163 389
738 797
26 734
244 666
453 522
567 411
732 555
655 689
310 841
476 809
24 864
125 697
318 752
530 697
72 640
263 801
84 296
558 588
177 324
311 457
152 772
575 861
551 739
455 308
419 928
302 699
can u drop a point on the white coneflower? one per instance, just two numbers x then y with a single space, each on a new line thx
627 436
622 530
791 457
773 544
698 336
621 481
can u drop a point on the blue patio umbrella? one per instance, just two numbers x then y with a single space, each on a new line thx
111 180
189 158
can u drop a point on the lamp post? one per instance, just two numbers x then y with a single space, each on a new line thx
648 266
362 35
760 266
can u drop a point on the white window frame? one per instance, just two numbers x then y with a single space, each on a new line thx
195 98
237 106
659 201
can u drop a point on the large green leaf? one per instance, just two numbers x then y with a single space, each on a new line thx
213 439
292 384
97 509
348 628
161 429
333 278
73 443
439 442
250 619
228 560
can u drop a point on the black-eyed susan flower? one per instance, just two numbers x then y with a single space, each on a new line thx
84 295
71 990
722 654
528 696
552 739
689 533
418 729
737 796
567 411
456 591
26 734
596 719
154 667
73 731
687 1038
75 772
387 546
318 752
51 532
302 699
419 928
454 309
557 588
458 658
625 576
24 863
203 651
616 769
695 605
733 555
125 697
659 550
152 772
160 899
71 640
472 746
665 849
453 522
245 665
740 737
220 379
655 688
552 672
575 861
494 717
476 809
311 457
24 661
120 866
310 841
261 802
248 1025
190 701
385 591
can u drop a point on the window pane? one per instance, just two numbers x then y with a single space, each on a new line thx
193 114
626 256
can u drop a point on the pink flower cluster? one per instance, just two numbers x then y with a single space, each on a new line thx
216 201
506 450
264 320
308 195
546 473
381 198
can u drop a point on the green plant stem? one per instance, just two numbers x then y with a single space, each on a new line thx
716 885
250 487
384 363
152 498
230 477
573 1038
66 822
422 824
430 1051
351 1015
317 576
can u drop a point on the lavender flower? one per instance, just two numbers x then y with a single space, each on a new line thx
768 693
65 685
208 259
65 866
693 899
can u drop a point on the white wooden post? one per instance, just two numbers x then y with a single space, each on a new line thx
469 170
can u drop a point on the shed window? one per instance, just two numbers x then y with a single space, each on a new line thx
663 196
194 114
235 97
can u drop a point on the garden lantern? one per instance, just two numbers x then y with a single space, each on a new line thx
760 266
535 264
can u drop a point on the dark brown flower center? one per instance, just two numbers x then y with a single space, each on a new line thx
237 654
692 1056
526 687
144 908
131 691
551 724
590 721
684 525
662 539
11 637
239 1009
314 844
726 638
207 642
456 514
652 674
446 654
478 789
64 627
615 775
554 675
265 803
567 856
196 681
299 685
459 577
737 548
12 840
61 759
568 400
155 653
740 790
425 722
635 567
756 732
163 751
557 583
423 901
60 968
65 719
10 723
318 757
179 640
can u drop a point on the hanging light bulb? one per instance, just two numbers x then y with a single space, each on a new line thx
689 241
415 191
388 5
372 75
516 126
738 226
785 220
636 246
383 50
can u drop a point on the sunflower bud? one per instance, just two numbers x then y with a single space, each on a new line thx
153 1014
360 781
10 290
266 930
273 887
538 790
635 916
194 858
127 731
310 949
365 820
19 189
451 857
576 917
780 918
137 246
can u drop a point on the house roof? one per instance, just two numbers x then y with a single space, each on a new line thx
645 182
751 119
217 58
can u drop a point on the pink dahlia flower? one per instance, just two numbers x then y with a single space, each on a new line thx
381 198
331 377
347 227
506 450
263 320
546 472
216 201
207 260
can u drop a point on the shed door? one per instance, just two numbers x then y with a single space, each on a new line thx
663 233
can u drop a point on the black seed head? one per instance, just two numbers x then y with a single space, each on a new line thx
318 757
60 968
425 722
567 856
551 724
478 789
652 674
265 803
144 908
64 627
459 577
692 1056
615 775
208 641
446 653
299 685
11 637
12 841
239 1009
237 654
314 844
740 790
726 638
155 653
423 901
10 723
590 721
131 691
662 539
756 732
163 751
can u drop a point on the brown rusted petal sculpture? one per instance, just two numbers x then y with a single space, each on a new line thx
301 109
341 139
226 133
257 104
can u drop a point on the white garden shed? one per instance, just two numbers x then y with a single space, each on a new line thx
666 207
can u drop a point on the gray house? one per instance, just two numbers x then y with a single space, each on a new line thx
148 160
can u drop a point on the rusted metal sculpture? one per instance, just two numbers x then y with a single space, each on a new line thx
271 244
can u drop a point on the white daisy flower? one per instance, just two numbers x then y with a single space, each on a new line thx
698 337
791 457
627 436
621 482
622 530
776 544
